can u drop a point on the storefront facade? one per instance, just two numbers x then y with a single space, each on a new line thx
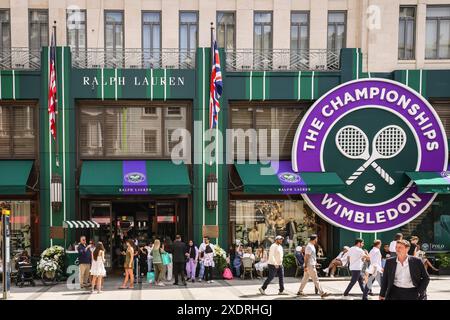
115 136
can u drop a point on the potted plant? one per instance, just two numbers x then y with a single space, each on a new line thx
51 262
444 264
289 265
220 260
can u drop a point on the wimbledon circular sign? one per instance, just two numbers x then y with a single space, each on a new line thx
370 132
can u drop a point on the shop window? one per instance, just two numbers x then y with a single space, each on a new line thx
20 223
282 120
18 140
258 222
132 131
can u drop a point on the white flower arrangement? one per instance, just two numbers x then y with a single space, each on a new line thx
52 259
218 251
46 264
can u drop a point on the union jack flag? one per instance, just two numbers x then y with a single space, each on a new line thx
215 87
52 88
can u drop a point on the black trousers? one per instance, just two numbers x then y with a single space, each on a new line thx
178 269
208 273
356 277
397 293
272 273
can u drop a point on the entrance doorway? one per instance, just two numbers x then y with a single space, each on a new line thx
140 220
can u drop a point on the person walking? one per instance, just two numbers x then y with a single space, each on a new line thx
356 257
275 266
98 271
208 261
191 263
393 244
404 277
157 263
179 260
128 265
375 269
84 262
310 270
201 251
168 269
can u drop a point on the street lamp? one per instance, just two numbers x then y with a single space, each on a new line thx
211 191
56 192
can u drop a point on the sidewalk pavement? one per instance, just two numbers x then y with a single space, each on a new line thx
236 289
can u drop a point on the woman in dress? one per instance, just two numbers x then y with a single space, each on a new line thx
128 266
98 271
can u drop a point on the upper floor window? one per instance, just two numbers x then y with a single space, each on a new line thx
76 29
262 31
406 33
437 45
285 119
130 131
226 30
337 28
188 32
5 30
38 28
443 110
151 39
299 30
17 131
114 35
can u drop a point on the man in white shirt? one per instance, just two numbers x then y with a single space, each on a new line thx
393 244
356 257
275 265
310 270
375 269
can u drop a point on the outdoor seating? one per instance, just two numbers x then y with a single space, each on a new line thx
343 271
247 264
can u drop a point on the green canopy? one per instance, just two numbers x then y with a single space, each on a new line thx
133 177
431 182
279 178
14 176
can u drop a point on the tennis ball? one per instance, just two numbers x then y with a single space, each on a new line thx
369 188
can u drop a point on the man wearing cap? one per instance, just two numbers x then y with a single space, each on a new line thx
310 270
275 265
340 261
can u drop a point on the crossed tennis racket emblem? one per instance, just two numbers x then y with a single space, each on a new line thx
353 143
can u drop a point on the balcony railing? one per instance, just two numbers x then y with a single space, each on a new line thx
20 58
281 60
134 58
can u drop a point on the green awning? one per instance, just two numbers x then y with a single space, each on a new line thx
279 178
431 182
14 176
133 177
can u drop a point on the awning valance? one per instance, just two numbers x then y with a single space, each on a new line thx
279 178
14 176
80 224
431 182
133 177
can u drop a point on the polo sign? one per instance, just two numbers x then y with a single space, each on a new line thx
370 132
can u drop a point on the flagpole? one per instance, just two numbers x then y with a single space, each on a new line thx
212 62
217 131
56 100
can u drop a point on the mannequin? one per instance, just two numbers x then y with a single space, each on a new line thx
291 233
253 238
260 223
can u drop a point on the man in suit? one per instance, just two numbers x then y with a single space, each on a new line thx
404 277
179 259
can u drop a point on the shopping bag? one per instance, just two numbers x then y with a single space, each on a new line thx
166 259
227 274
150 277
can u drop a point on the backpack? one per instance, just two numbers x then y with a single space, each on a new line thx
208 249
227 274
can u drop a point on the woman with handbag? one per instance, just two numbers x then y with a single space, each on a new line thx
157 262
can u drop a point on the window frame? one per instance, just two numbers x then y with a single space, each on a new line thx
438 25
405 21
77 47
129 104
34 105
105 23
40 24
2 48
335 24
234 24
188 24
298 26
263 24
151 24
303 106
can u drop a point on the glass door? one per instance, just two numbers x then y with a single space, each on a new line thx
166 219
100 212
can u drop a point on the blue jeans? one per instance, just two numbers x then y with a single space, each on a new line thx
272 273
202 270
237 267
356 277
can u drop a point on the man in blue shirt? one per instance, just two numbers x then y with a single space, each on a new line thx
84 261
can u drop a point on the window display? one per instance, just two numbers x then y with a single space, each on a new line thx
20 225
258 222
